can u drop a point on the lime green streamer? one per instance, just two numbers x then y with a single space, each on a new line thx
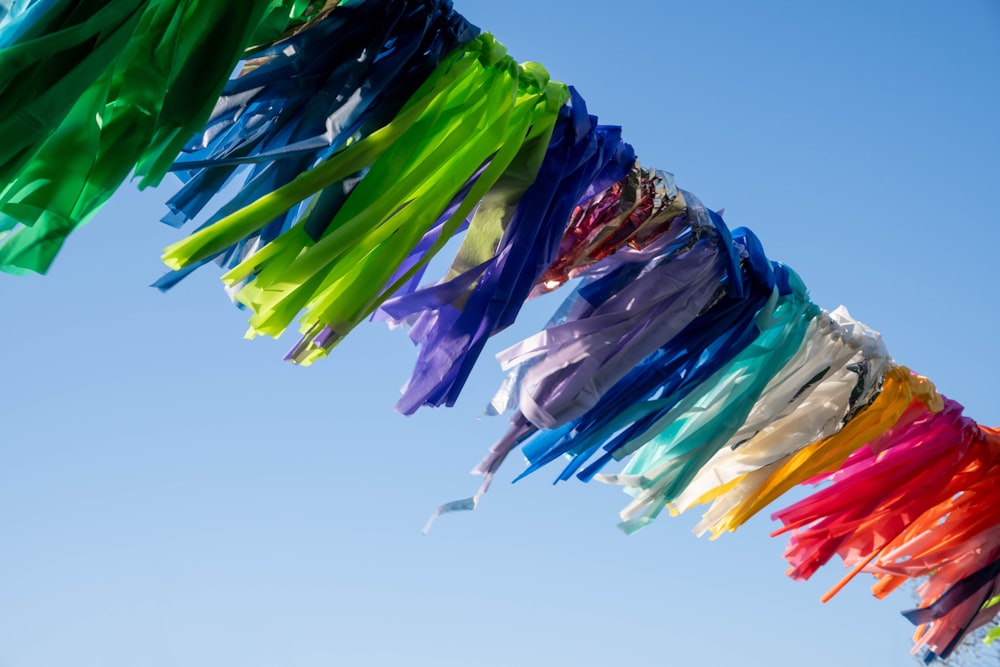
493 213
533 117
478 108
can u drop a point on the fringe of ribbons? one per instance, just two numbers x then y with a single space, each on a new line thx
357 138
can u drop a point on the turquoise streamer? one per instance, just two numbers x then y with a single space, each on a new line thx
670 453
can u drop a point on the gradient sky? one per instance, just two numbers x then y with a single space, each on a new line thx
171 494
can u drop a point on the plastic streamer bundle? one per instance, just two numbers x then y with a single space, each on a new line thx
90 91
476 119
357 138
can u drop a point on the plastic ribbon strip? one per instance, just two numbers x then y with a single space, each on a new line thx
357 138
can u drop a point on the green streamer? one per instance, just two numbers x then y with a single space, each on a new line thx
86 103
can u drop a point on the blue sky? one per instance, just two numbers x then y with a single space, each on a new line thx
171 494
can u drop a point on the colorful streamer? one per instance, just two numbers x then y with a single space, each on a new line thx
358 138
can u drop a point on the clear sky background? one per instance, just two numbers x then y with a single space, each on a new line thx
171 494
